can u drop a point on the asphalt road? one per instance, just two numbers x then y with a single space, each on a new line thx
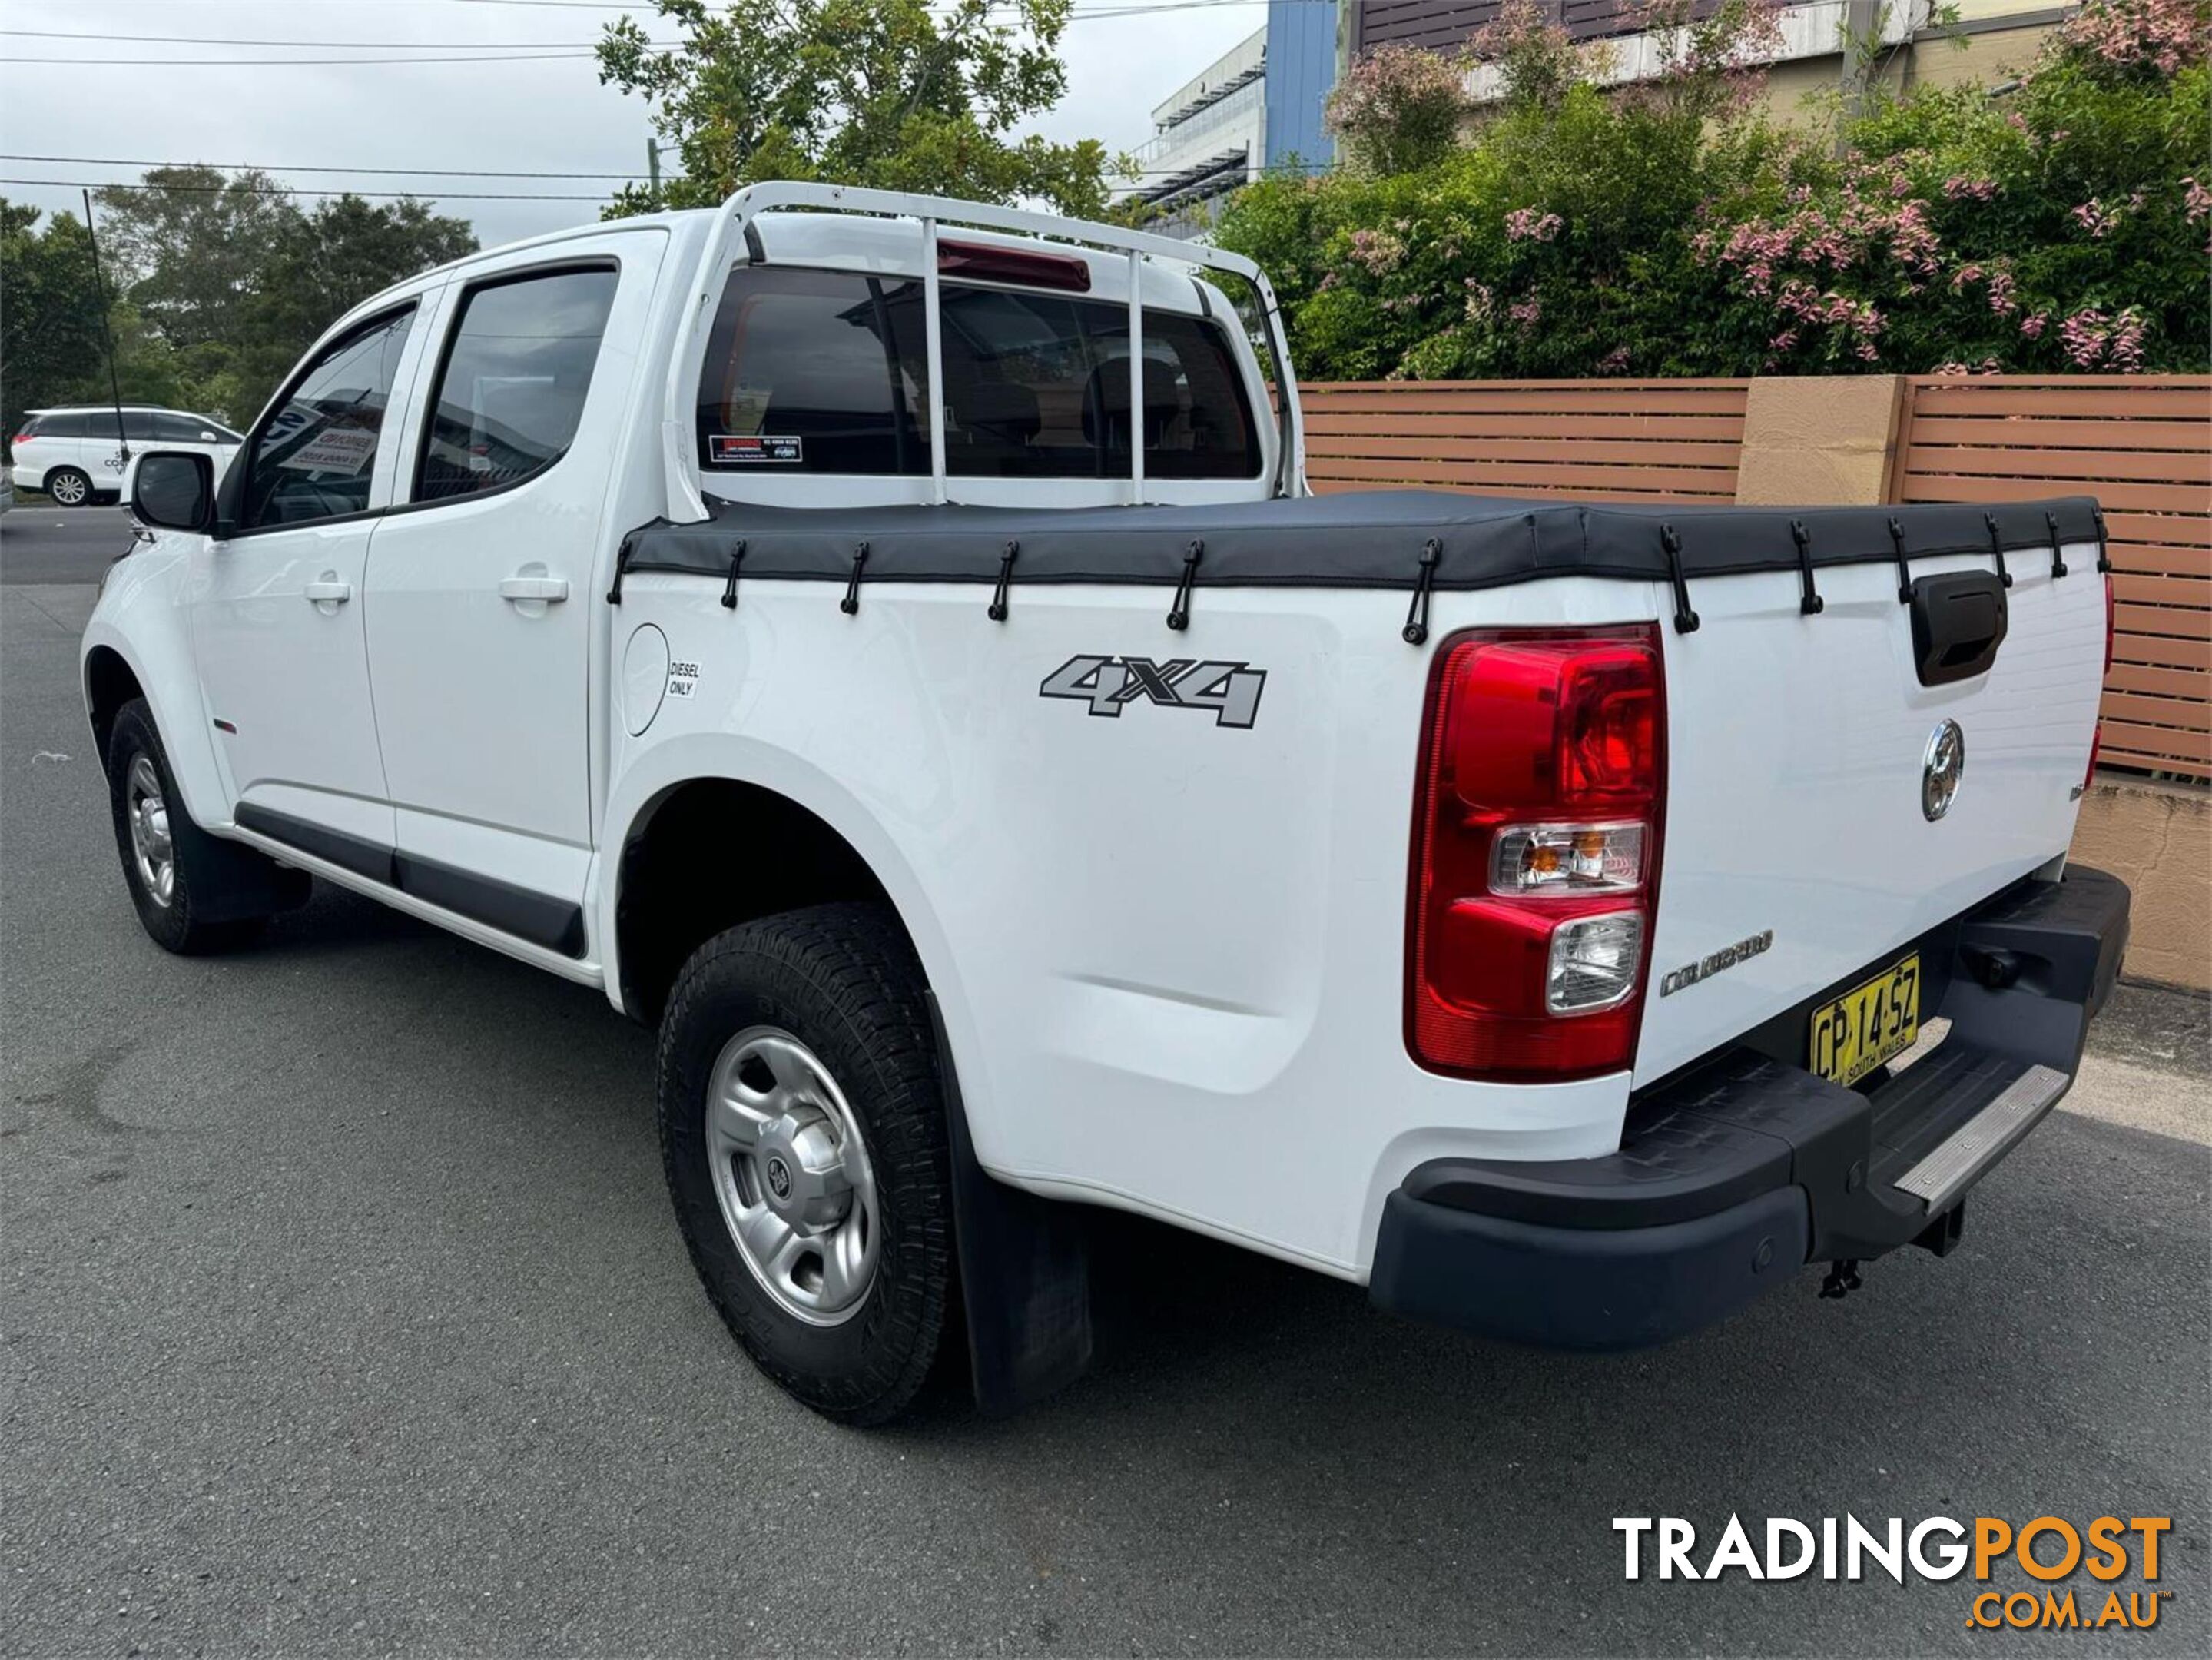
44 544
344 1314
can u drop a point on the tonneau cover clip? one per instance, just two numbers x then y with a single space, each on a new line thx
2104 551
997 608
1904 566
1179 607
1685 620
1809 603
622 564
851 602
1416 631
730 588
1997 547
2057 550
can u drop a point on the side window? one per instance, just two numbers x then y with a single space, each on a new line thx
313 458
815 371
183 429
511 391
143 426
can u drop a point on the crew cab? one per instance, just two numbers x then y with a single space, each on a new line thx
889 644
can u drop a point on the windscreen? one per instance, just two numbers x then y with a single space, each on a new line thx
817 370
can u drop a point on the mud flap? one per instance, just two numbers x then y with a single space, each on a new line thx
1024 1270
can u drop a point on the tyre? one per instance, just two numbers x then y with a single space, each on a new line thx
802 1124
68 487
194 894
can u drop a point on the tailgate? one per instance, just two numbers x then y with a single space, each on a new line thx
1797 850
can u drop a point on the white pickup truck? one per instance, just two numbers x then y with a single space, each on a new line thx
889 643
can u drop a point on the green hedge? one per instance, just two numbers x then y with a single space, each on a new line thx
2056 226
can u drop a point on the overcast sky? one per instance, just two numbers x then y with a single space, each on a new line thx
547 115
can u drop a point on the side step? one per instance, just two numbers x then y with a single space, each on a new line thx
1985 1137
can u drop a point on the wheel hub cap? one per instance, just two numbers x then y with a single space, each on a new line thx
151 847
791 1175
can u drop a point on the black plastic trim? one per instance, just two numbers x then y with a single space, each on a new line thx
1024 1269
1744 1160
356 853
1583 1289
541 919
527 914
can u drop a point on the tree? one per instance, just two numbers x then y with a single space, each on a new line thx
881 93
187 243
50 336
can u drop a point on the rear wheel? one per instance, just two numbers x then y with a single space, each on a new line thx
802 1123
193 893
69 487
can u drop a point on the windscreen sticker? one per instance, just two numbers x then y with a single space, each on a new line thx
747 408
726 447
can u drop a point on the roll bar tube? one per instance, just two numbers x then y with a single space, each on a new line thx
732 225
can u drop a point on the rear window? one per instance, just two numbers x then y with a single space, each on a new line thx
812 371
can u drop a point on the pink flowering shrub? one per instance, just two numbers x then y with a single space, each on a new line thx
1526 224
1398 109
2058 226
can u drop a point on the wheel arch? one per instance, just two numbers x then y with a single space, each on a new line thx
138 644
702 838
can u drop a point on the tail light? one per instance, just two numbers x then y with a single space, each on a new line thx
1536 837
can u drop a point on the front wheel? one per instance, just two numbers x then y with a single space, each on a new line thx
193 893
68 487
802 1123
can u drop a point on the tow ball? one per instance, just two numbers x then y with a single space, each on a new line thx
1842 1278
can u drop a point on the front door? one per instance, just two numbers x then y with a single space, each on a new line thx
276 605
480 602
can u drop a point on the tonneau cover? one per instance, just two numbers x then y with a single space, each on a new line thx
1372 538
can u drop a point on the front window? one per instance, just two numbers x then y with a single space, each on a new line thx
822 371
313 458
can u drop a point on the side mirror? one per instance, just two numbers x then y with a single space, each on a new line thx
175 490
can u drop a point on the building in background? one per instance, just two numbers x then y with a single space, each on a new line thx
1257 106
1988 40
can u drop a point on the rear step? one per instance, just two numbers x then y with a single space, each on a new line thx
1987 1136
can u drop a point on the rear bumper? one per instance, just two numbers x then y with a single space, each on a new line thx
1739 1170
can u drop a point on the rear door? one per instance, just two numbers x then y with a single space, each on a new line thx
1798 853
480 605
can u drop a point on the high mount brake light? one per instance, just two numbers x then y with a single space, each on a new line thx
1536 837
986 263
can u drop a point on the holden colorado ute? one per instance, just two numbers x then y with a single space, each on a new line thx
889 644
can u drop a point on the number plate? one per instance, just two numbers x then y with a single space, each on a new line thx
1869 1024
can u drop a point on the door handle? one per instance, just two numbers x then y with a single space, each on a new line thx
547 590
329 590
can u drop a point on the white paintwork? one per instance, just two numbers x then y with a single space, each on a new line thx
1169 954
482 679
1796 746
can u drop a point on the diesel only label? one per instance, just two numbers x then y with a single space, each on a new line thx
1230 692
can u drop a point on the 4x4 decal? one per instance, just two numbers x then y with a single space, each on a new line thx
1231 691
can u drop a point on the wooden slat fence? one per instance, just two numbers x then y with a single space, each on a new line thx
2141 445
1639 441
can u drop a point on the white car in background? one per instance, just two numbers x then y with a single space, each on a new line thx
75 457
